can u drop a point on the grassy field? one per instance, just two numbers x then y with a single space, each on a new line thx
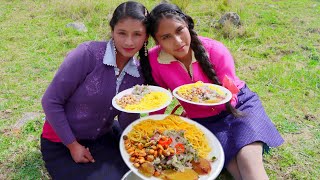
276 49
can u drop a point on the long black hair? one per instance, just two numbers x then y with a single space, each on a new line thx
166 10
134 10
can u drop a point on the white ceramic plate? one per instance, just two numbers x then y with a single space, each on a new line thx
152 88
225 100
131 176
215 145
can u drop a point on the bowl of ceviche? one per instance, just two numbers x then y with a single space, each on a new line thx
171 147
142 99
200 93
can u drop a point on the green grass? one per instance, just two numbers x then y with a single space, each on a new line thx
277 53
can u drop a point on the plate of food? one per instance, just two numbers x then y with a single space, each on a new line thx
200 93
142 99
171 147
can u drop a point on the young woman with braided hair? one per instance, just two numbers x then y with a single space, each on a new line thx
182 57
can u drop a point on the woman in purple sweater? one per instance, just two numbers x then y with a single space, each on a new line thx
80 137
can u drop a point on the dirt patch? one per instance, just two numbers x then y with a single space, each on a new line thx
6 132
300 65
286 52
310 117
5 114
303 133
16 128
314 30
252 66
25 118
4 170
2 176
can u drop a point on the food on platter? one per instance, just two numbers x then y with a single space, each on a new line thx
200 92
143 97
170 148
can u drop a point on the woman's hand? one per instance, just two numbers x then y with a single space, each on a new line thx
79 153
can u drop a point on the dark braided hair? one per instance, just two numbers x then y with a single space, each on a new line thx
166 10
133 10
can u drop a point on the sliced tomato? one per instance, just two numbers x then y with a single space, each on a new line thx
179 148
166 142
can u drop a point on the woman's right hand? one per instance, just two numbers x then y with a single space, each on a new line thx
79 153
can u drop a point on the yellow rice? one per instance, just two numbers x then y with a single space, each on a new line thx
185 89
149 101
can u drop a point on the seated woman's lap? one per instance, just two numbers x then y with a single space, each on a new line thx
105 150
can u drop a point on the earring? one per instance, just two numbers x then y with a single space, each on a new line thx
114 47
145 49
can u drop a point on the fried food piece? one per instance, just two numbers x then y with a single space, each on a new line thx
202 167
188 174
147 169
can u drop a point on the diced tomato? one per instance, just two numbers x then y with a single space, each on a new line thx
179 148
166 142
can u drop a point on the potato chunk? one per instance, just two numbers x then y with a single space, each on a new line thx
188 174
147 169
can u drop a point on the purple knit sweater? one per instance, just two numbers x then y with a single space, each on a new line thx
77 103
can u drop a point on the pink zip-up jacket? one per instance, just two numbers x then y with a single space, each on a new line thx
170 73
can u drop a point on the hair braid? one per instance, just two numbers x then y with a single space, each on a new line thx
145 67
203 59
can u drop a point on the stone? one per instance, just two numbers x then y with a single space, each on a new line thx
233 17
79 26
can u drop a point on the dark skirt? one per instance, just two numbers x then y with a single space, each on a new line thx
235 133
105 150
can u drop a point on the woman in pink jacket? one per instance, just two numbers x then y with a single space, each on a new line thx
182 57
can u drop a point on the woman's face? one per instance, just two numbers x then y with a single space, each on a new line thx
129 35
174 37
